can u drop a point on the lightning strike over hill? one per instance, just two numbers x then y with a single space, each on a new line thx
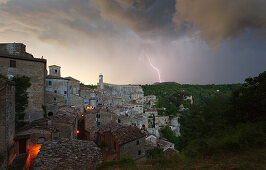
156 69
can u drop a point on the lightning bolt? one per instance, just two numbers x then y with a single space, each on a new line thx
155 68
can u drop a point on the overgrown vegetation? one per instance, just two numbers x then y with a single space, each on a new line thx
21 98
170 96
170 136
122 163
89 86
230 123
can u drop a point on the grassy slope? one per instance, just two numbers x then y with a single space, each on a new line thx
249 159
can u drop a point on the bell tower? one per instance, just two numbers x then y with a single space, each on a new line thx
54 70
101 82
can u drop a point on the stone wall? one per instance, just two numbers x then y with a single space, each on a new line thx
123 91
35 69
53 102
17 49
134 149
77 101
7 122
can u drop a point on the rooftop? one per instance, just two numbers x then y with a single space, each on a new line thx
56 77
123 134
68 154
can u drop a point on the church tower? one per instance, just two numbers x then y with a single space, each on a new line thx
100 84
54 70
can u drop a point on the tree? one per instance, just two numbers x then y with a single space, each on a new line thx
248 104
169 135
21 97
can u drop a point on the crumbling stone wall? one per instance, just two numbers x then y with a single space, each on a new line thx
17 49
7 121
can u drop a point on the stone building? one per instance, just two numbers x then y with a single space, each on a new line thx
30 138
137 108
7 122
121 141
140 121
163 144
136 95
62 90
97 118
74 86
68 155
162 120
123 91
15 61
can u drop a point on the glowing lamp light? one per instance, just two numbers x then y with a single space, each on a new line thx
89 108
77 131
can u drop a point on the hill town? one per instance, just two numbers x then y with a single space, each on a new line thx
68 125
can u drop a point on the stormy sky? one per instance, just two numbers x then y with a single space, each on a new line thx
189 41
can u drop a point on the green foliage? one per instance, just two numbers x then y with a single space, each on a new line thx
21 97
170 95
156 153
226 123
89 86
248 104
3 77
122 163
169 135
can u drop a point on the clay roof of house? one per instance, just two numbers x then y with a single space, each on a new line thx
123 134
71 78
56 77
84 88
170 151
63 118
54 66
163 143
68 155
41 124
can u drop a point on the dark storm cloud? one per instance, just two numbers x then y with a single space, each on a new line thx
150 18
219 20
214 20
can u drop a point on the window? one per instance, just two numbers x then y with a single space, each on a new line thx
139 152
41 140
50 114
55 91
64 92
55 71
54 99
137 142
114 145
13 63
50 83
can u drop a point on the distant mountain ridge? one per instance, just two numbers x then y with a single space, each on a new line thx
170 82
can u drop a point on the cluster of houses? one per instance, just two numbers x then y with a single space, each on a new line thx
118 120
